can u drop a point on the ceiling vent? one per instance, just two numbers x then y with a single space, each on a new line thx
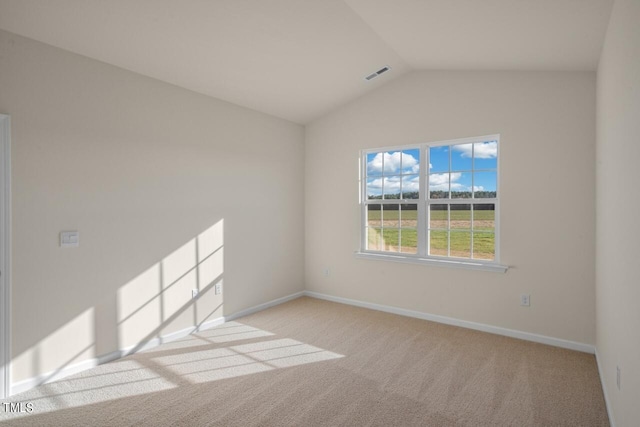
377 73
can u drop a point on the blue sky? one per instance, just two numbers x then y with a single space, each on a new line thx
395 171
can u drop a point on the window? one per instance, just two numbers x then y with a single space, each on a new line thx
436 201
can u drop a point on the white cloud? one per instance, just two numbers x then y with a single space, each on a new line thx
440 182
392 185
437 182
410 183
374 187
484 150
392 163
465 149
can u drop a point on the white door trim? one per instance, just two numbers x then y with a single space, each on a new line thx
5 255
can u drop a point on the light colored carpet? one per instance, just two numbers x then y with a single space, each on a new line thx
311 362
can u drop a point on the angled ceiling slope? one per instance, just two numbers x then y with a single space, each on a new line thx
491 34
299 59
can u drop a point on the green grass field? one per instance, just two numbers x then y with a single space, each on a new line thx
392 238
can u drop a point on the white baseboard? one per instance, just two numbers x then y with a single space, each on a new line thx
556 342
604 391
170 337
48 377
260 307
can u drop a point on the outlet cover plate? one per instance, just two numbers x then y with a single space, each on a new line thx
69 239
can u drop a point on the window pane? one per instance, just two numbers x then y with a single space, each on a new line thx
460 244
409 240
374 188
374 216
390 239
439 216
485 184
439 159
460 217
411 161
391 216
374 164
461 157
392 163
374 239
438 242
410 186
439 185
484 217
460 185
391 187
485 155
483 245
409 215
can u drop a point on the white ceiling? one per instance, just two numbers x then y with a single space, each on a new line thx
299 59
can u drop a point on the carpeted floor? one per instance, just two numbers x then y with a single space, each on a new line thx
311 362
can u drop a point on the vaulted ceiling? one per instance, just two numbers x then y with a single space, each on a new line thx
299 59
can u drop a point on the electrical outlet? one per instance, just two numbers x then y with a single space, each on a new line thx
525 300
218 288
194 293
326 271
618 376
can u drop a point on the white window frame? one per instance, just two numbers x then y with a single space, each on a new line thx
423 202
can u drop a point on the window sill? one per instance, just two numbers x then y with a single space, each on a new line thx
408 259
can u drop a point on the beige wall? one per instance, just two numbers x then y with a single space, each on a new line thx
547 126
170 191
618 203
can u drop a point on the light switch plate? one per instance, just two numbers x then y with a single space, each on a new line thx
69 239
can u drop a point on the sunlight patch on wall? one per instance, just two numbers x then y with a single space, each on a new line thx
160 300
139 307
179 277
50 356
210 240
